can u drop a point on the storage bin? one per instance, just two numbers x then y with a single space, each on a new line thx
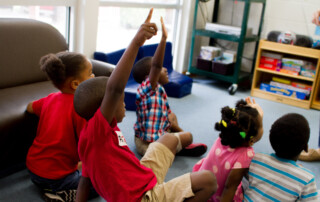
204 64
222 68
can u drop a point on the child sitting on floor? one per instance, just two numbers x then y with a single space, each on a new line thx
52 159
231 154
277 177
154 116
108 163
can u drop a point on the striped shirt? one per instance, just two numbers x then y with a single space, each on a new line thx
276 179
152 112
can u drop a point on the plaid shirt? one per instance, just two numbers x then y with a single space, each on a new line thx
152 112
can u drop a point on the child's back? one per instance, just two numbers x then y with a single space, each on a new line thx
278 177
231 154
53 157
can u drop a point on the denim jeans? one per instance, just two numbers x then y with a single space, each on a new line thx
71 181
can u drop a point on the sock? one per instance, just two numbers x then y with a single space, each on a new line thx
179 146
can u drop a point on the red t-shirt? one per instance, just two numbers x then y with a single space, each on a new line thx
53 153
114 170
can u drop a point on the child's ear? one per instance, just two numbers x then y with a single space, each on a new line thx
74 84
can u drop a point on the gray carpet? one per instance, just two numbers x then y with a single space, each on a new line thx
196 113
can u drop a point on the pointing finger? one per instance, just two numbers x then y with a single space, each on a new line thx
149 15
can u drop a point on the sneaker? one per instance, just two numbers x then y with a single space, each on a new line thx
61 196
193 150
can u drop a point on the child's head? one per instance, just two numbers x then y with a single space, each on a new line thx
66 69
89 95
289 135
240 126
141 70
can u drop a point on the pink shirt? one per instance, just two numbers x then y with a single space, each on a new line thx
114 170
221 160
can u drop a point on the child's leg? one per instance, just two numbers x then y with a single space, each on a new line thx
141 145
203 184
160 155
198 186
64 188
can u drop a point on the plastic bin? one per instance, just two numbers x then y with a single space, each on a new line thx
222 68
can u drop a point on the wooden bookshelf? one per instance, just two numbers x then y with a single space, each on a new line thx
263 75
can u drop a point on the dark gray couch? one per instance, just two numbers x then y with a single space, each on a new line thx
22 43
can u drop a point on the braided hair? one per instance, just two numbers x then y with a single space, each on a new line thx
238 125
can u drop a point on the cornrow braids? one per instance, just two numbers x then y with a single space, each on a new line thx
237 125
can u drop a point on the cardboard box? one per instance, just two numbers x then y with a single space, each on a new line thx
209 52
282 91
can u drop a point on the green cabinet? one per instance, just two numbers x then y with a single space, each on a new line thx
241 39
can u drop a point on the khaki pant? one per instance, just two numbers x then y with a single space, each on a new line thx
159 158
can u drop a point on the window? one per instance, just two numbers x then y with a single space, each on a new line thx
119 21
55 15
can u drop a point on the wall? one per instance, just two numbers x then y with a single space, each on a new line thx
280 15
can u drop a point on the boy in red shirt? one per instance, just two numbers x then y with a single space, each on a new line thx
115 172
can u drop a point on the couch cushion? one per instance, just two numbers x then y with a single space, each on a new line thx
179 85
17 127
23 43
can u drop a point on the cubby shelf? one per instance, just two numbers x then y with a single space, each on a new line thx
294 52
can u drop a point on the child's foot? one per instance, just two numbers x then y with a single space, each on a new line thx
66 195
193 150
312 155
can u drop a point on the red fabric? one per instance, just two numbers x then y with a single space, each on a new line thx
53 154
115 172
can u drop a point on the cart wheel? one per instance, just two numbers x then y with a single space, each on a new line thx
232 89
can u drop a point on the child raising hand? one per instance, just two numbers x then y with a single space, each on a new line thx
231 154
154 116
107 161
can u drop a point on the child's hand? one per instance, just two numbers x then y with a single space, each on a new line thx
315 18
164 30
146 30
253 104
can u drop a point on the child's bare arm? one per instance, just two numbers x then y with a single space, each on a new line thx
157 60
232 183
29 108
120 75
83 189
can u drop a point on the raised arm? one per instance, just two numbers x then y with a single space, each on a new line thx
157 60
120 75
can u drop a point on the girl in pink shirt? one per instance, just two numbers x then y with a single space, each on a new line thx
231 154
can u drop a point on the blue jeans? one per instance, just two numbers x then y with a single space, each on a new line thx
71 181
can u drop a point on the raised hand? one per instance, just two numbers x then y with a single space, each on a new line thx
315 18
253 104
146 30
164 30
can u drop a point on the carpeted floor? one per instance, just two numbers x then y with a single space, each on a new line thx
196 113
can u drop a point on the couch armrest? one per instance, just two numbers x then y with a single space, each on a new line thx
101 68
